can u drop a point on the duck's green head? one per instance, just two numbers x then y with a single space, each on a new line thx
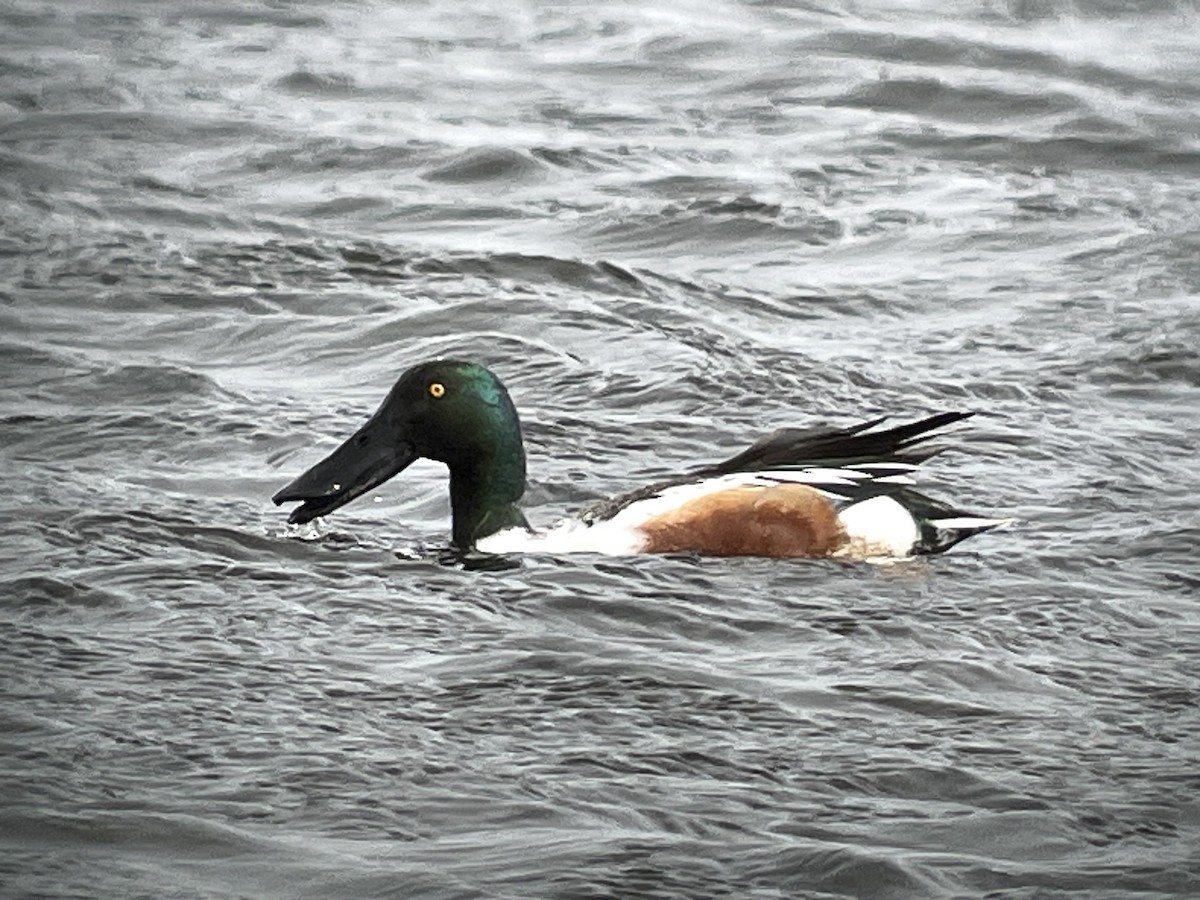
447 410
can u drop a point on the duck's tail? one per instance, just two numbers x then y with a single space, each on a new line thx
940 525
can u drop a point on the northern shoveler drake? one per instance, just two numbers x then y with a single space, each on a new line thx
799 492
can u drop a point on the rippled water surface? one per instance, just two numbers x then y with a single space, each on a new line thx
227 228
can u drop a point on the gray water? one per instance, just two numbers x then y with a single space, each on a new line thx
228 227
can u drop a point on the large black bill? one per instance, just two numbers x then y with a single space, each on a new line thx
366 460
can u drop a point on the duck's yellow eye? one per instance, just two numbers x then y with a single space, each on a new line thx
437 389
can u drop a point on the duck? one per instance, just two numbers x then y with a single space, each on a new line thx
814 492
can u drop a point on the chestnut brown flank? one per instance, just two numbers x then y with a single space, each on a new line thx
781 520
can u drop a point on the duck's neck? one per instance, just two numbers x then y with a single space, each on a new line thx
484 492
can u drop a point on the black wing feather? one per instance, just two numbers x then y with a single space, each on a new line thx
801 448
794 448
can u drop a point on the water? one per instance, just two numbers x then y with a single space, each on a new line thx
228 227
